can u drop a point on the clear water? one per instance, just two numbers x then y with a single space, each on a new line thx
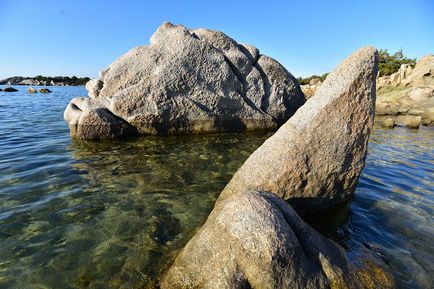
77 214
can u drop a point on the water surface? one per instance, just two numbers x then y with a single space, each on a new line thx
77 214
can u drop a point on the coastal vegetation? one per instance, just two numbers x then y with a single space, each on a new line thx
388 64
74 80
45 80
306 80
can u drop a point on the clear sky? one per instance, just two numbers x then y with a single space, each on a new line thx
80 37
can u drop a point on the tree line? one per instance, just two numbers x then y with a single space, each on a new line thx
66 79
389 63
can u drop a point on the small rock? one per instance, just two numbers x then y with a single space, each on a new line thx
44 90
410 121
88 119
31 90
387 108
428 117
10 89
388 122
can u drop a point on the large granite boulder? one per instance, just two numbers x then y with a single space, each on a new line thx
256 240
192 81
314 160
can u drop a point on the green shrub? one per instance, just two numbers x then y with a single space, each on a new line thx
303 81
390 63
69 80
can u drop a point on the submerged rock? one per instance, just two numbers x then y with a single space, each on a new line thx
10 89
314 160
256 240
192 81
44 90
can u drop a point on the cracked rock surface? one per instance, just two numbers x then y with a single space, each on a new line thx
253 238
189 81
315 159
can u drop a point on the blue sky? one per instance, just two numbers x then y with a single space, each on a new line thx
80 37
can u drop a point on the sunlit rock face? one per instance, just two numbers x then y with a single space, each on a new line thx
256 240
188 81
253 238
315 159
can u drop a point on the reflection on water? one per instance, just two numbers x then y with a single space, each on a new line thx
112 214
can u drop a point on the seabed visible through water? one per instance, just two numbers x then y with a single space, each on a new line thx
105 214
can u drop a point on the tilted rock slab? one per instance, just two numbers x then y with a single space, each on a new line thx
256 240
314 160
187 81
253 238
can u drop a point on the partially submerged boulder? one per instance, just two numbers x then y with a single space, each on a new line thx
10 89
315 159
253 238
31 90
89 119
256 240
410 121
192 81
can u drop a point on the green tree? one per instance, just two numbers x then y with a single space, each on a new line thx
390 63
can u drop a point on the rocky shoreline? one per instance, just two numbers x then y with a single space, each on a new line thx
44 81
195 81
405 98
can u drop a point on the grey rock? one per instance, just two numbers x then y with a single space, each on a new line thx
96 122
256 240
193 81
314 160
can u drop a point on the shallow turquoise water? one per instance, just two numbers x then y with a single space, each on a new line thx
110 214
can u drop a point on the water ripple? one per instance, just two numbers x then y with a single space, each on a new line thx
111 214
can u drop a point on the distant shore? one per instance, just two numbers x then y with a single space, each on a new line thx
45 81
